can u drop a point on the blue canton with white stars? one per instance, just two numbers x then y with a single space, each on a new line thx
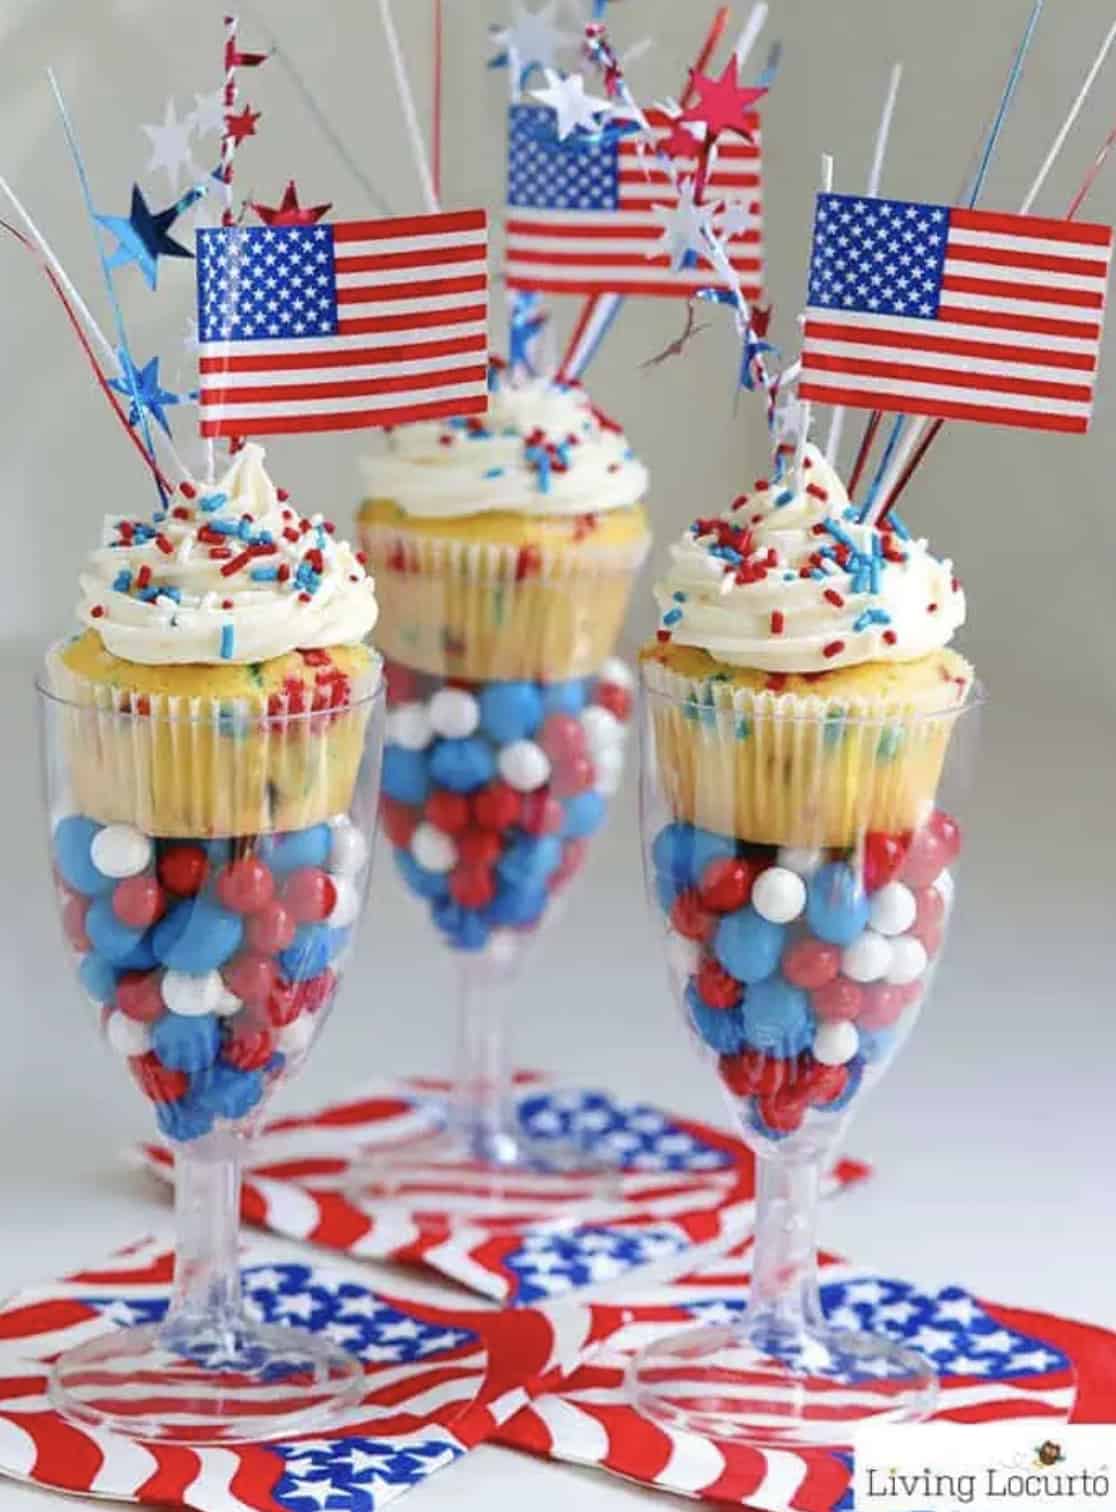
635 1137
266 283
551 1264
545 173
877 256
949 1327
356 1474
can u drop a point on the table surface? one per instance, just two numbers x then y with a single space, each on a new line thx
993 1134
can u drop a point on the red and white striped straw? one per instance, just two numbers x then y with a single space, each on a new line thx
228 140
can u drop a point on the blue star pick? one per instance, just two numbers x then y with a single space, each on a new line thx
528 321
142 236
142 384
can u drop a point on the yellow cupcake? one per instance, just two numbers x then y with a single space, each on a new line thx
506 548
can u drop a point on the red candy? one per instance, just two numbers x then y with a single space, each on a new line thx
574 775
783 1111
402 683
479 847
811 964
252 978
615 699
73 922
948 832
399 822
726 884
930 935
882 1005
448 811
563 737
822 1084
284 1005
139 902
933 848
752 1071
883 858
183 869
688 917
313 994
155 1081
839 999
472 886
573 859
496 807
541 814
930 909
245 886
309 895
138 996
716 987
271 930
251 1046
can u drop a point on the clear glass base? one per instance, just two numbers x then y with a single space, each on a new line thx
239 1384
806 1387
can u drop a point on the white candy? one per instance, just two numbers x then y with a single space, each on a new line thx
801 859
120 850
617 671
348 851
892 910
868 958
409 726
295 1038
524 765
778 895
433 849
191 995
684 955
347 907
836 1043
127 1036
228 1005
946 886
908 961
610 771
454 713
602 729
503 947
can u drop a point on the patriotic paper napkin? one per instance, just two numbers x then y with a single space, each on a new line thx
683 1183
438 1382
996 1363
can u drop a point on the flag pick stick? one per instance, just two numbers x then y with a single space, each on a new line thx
897 429
1000 117
911 466
807 409
1067 125
410 113
864 450
1091 177
439 90
749 35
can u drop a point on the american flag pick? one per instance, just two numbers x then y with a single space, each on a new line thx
438 1382
953 313
586 216
996 1363
682 1183
342 326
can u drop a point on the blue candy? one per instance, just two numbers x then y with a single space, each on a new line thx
114 939
708 847
406 775
666 891
308 847
198 935
748 946
517 906
777 1018
97 977
564 697
311 951
226 1091
73 840
672 852
186 1043
143 957
183 1121
510 711
464 927
720 1028
836 904
876 1044
585 814
426 884
463 765
528 862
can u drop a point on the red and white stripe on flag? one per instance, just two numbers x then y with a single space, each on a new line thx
406 336
1004 329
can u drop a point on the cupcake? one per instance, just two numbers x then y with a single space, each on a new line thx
506 546
820 646
216 623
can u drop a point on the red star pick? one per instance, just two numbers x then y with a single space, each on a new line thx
723 104
243 125
288 212
681 143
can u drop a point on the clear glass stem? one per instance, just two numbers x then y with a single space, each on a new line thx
206 1298
484 1103
784 1295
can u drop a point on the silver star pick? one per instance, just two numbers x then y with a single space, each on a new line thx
568 100
533 38
208 114
687 226
170 147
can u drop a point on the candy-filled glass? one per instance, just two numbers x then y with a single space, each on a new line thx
800 862
211 865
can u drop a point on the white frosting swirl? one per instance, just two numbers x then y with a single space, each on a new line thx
788 580
155 591
540 449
